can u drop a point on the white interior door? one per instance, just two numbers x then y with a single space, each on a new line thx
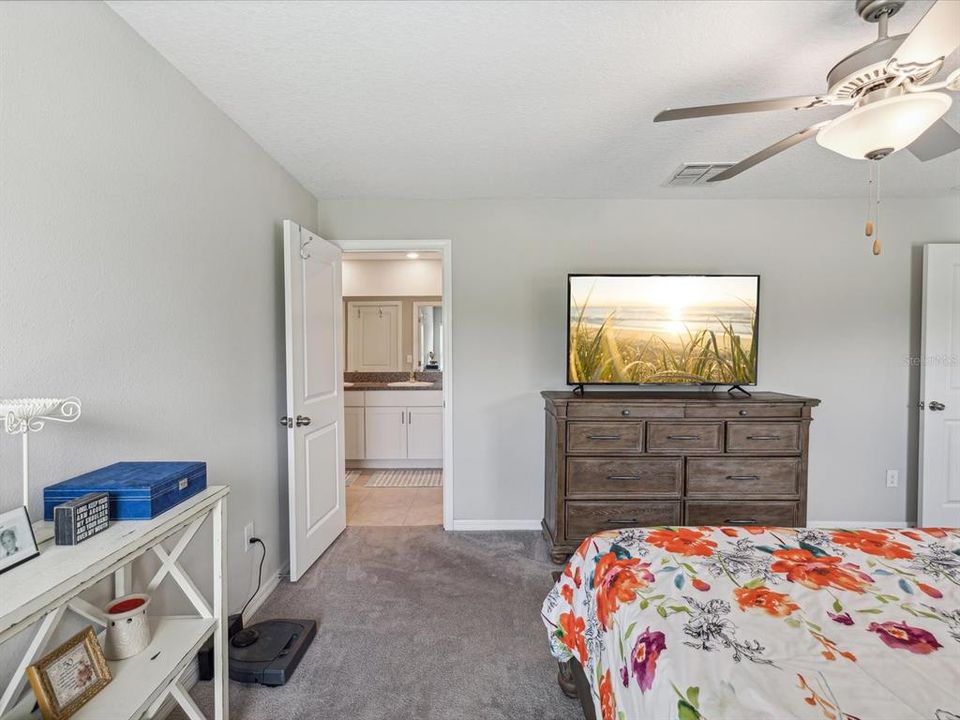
314 420
940 385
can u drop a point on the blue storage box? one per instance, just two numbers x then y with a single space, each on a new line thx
137 490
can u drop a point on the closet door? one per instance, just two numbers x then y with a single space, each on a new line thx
374 340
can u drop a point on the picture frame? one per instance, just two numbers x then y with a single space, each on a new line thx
17 541
67 678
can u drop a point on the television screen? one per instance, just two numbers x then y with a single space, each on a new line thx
662 329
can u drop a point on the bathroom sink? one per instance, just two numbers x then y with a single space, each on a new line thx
410 383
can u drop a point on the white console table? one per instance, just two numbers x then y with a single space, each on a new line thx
42 590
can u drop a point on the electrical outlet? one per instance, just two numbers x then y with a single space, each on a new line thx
893 478
248 532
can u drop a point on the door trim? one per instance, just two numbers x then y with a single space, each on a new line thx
443 246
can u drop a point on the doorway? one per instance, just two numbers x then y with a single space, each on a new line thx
397 309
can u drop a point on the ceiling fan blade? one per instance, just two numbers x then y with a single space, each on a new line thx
787 103
939 139
934 37
767 153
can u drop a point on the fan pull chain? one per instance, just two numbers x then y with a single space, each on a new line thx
876 216
868 227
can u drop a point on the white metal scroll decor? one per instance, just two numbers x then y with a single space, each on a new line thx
22 416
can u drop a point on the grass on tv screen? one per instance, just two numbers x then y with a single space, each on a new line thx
663 329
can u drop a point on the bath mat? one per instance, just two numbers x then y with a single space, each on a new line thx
406 478
352 477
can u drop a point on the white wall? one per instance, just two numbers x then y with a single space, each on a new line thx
140 269
836 323
388 278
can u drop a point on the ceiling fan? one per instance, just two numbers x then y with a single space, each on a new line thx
894 106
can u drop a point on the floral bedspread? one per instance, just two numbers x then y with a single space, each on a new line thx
760 622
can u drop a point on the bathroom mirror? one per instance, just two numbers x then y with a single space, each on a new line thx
428 336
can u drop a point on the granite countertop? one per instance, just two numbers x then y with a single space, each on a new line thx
387 386
382 380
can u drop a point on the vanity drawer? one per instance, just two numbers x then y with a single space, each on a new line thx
727 513
763 437
743 476
745 410
683 437
605 437
623 410
585 518
624 476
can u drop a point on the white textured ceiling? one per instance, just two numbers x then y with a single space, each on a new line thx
528 99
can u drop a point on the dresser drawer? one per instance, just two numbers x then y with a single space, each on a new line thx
762 437
743 476
683 437
623 410
585 518
614 477
745 410
727 513
605 437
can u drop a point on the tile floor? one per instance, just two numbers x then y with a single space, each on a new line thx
391 506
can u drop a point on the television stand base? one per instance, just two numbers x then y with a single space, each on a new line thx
733 388
578 390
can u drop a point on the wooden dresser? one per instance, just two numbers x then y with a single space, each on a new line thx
619 459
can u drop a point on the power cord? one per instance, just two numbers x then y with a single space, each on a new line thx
259 573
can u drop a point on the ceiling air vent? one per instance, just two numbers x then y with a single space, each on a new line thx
695 173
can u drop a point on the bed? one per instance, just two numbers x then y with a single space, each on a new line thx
715 623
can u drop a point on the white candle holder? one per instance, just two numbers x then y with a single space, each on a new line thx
23 416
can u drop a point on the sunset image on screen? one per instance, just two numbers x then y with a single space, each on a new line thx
663 329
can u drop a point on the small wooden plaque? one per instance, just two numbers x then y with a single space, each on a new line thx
80 519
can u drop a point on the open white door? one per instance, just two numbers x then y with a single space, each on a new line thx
314 420
940 385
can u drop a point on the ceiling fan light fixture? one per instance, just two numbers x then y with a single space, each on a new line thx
888 124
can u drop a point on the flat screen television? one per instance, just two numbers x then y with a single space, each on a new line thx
662 329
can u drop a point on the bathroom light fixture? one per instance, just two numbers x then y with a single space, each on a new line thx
412 255
884 125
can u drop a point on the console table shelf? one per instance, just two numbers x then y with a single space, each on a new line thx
50 585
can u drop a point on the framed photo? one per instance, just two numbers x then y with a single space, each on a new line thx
17 543
67 678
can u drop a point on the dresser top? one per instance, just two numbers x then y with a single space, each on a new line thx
685 396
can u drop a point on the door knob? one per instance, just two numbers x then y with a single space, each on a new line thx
936 406
302 420
286 422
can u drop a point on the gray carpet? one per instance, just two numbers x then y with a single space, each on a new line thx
416 623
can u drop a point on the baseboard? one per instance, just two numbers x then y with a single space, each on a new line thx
489 525
858 524
191 675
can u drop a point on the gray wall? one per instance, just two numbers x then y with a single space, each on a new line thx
836 323
140 269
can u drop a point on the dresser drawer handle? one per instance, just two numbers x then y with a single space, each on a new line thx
746 521
624 477
683 437
763 437
743 477
625 413
742 413
622 521
604 437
